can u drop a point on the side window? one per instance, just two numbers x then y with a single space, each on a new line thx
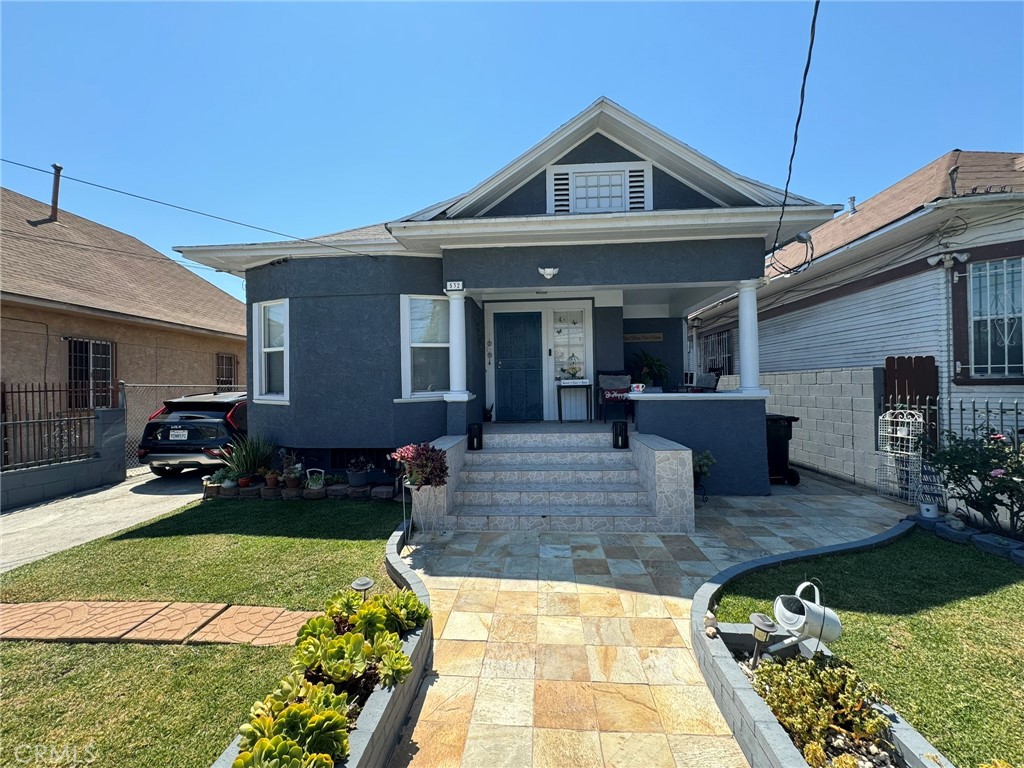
996 314
425 345
270 351
91 373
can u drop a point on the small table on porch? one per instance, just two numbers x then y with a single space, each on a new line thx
581 384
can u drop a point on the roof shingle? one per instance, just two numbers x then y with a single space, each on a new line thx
77 261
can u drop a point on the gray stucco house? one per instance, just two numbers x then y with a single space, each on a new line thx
598 240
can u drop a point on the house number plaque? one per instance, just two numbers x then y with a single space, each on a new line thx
453 285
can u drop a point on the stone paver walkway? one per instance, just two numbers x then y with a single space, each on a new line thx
572 649
149 622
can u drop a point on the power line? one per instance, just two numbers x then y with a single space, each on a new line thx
796 135
193 210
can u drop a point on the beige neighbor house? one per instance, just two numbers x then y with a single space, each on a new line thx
83 306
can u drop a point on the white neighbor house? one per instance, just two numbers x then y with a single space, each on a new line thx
930 267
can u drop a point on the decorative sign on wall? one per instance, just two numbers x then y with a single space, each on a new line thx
633 338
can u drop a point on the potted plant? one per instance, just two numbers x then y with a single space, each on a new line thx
292 469
247 455
702 463
426 474
229 483
272 477
359 472
315 484
651 370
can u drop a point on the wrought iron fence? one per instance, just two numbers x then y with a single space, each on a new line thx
43 424
141 401
964 415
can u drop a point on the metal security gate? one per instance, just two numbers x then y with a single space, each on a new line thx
141 401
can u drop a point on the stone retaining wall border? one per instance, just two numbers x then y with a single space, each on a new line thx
763 741
379 725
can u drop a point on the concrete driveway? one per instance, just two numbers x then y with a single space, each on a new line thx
30 533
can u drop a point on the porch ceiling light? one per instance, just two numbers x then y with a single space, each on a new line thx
548 272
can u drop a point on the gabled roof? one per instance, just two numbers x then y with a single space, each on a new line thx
606 117
978 173
75 261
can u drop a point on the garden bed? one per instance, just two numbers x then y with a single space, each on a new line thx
378 727
929 621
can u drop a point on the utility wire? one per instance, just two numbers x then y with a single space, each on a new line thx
796 135
151 256
193 210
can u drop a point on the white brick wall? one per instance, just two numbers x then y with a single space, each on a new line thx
837 431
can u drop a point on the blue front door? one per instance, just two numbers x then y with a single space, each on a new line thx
518 370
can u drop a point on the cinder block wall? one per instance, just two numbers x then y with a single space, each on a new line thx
19 487
838 412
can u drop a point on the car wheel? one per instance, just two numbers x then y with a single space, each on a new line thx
166 471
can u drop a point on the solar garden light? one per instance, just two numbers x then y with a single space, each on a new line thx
363 584
763 628
805 619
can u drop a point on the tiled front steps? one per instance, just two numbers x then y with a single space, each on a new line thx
530 481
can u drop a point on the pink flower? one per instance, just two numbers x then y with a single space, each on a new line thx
997 473
998 436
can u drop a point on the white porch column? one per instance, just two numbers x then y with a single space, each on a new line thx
457 341
750 356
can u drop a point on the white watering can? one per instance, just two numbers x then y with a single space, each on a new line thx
806 619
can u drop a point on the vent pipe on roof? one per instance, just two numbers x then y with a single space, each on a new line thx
57 168
952 180
853 205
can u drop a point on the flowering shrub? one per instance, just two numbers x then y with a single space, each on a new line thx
424 464
984 474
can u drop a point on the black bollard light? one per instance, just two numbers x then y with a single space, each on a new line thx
620 434
476 436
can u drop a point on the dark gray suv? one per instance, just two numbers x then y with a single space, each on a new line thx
192 432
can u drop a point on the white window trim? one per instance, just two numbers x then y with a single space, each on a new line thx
257 355
405 315
972 275
645 165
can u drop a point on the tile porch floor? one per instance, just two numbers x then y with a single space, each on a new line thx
571 650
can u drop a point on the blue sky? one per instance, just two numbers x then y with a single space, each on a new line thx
312 118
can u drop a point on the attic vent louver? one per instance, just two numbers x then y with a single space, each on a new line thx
637 190
561 191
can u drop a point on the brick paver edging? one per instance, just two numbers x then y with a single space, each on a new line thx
761 738
379 725
149 622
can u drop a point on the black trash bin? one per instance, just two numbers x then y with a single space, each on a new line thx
780 432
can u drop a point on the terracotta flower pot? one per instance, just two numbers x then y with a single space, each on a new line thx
273 481
292 482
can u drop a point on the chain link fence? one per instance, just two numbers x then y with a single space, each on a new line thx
141 401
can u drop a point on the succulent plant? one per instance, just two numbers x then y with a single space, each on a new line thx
345 657
277 752
259 727
327 733
404 610
318 626
394 667
343 603
369 620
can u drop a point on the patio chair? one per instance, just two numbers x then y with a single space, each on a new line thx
613 389
705 382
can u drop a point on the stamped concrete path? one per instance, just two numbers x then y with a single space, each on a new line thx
154 622
571 650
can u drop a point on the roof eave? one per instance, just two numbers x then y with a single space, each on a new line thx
706 223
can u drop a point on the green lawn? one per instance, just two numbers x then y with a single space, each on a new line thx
133 705
937 625
129 705
287 554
